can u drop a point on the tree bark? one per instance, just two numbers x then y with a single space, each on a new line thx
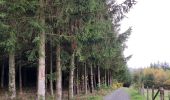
12 85
105 77
94 76
41 67
46 80
2 75
94 80
91 78
85 78
20 79
77 81
71 76
98 74
51 70
108 78
58 75
83 82
25 76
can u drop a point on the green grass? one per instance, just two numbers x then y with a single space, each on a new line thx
134 95
96 95
166 92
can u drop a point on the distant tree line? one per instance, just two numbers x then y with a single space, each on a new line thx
158 74
163 65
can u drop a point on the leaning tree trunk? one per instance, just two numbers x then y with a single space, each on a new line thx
71 77
85 78
12 85
41 67
2 75
51 69
58 75
98 76
91 78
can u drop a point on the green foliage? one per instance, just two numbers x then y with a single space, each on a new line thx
53 75
86 27
105 86
148 77
32 55
95 98
149 80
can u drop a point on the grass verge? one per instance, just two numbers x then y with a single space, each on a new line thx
134 94
96 95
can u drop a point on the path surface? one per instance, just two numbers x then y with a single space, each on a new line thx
119 94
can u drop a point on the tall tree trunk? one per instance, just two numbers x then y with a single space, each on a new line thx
94 76
85 78
91 77
46 80
111 77
12 85
58 75
94 80
41 67
71 76
98 76
77 81
20 79
25 77
105 77
83 82
108 78
51 69
2 74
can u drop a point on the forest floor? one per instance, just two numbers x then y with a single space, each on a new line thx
119 94
96 95
30 94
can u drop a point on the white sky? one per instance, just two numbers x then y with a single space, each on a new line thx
150 38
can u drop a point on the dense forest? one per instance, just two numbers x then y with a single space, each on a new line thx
57 46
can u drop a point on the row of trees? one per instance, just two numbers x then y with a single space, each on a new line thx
152 76
163 65
59 36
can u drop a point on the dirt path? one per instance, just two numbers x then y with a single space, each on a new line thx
119 94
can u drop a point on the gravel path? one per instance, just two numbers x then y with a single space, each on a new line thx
119 94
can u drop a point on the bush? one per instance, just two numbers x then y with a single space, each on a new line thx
117 85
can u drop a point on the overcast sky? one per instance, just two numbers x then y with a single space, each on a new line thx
150 38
